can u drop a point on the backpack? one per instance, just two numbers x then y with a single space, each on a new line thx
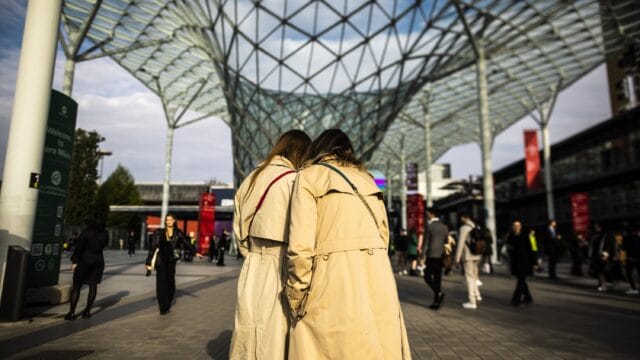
476 242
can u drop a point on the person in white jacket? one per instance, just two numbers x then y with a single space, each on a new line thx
463 253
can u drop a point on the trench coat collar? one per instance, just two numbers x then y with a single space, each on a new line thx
279 160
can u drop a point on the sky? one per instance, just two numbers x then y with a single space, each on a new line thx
130 117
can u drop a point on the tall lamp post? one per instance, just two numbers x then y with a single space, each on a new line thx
102 153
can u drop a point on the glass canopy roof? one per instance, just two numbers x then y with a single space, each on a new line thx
368 67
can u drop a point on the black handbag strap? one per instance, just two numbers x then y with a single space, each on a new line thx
355 190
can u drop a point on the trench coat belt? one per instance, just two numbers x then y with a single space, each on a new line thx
369 251
266 247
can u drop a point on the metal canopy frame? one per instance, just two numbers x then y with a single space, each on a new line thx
265 67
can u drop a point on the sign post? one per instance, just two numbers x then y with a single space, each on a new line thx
206 223
52 183
532 159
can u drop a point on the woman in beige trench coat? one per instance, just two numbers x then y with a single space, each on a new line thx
260 224
340 284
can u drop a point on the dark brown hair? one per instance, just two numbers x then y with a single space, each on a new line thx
333 142
292 145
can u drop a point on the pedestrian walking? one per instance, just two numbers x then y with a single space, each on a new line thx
469 234
436 236
552 247
131 244
222 245
631 246
412 252
601 249
88 264
163 256
260 226
523 259
340 286
402 247
213 248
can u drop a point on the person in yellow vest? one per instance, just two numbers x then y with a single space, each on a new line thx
260 226
340 288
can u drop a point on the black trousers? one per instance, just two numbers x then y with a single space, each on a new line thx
433 275
553 259
165 285
132 249
220 257
522 291
632 263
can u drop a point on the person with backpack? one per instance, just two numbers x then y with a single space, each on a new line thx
471 247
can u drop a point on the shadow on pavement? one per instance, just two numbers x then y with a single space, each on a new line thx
218 348
42 336
109 301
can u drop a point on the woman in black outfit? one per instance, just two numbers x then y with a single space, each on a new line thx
522 261
163 256
88 264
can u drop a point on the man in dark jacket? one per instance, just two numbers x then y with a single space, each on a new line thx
552 247
435 237
522 261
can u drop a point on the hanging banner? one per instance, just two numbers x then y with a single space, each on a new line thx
52 184
532 159
206 223
580 213
412 177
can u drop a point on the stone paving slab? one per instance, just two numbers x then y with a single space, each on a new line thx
569 320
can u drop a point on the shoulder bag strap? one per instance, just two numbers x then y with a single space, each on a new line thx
264 195
355 190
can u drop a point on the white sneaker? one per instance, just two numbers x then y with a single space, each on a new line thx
478 298
470 306
602 288
632 292
404 272
478 282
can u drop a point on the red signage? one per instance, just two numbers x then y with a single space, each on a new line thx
580 213
206 221
532 159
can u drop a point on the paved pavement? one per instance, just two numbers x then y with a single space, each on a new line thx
569 319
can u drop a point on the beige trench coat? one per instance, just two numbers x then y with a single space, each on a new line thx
261 320
339 273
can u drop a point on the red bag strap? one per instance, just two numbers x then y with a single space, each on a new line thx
264 195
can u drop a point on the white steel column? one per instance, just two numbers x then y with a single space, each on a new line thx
403 186
486 142
389 190
25 144
67 82
548 180
428 153
167 175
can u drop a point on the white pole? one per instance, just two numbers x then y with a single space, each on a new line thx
403 188
67 83
167 175
486 145
428 157
25 144
546 154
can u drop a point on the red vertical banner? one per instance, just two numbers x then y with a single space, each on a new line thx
532 159
206 221
580 213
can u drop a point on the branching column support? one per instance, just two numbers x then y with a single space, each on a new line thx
543 117
486 143
72 47
486 137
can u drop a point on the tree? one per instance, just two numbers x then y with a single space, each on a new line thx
119 189
83 185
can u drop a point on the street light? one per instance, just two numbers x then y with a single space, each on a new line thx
102 153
